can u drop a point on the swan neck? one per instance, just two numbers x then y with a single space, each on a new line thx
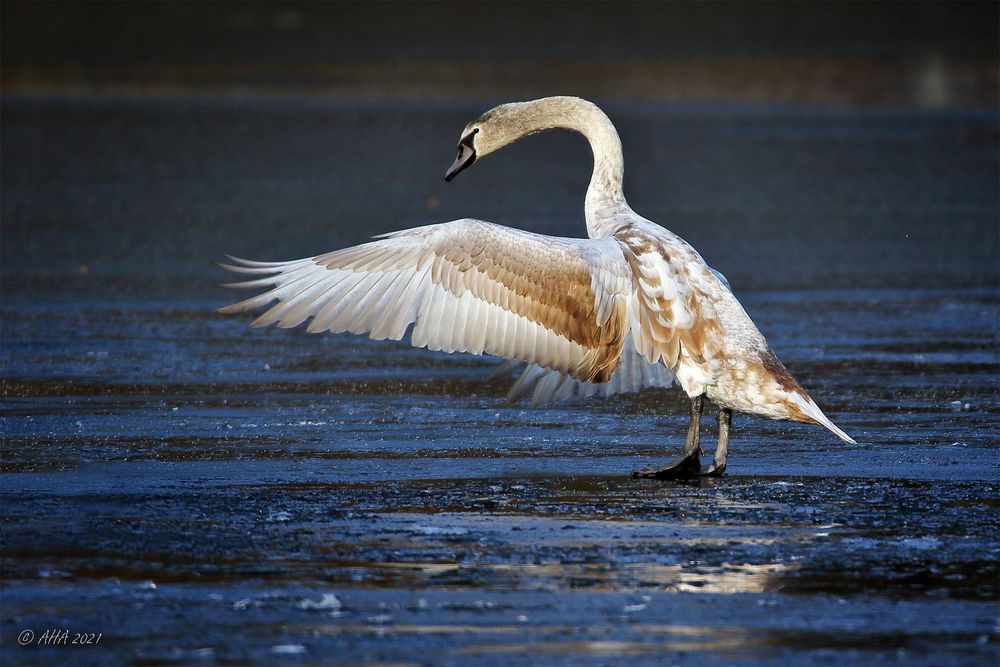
604 202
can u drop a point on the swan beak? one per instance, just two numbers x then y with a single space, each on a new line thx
466 156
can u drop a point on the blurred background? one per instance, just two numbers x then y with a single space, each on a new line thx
147 138
889 54
200 492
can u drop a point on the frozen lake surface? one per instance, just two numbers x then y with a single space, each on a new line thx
200 492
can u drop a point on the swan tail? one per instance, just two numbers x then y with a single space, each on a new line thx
815 415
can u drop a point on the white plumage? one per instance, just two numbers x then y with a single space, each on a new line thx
466 286
631 307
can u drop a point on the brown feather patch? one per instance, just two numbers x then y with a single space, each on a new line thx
774 370
777 372
700 340
549 286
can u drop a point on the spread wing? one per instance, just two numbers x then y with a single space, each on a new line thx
633 373
677 296
672 313
465 286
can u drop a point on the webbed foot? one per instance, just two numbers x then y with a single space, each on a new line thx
714 469
685 467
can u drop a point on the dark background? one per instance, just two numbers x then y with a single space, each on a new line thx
832 53
140 141
201 492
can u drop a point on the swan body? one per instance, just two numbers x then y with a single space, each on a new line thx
630 307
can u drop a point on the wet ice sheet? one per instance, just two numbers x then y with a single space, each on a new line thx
565 570
294 497
198 491
909 373
455 627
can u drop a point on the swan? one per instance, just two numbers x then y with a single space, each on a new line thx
631 306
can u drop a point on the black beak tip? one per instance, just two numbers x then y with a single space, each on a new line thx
466 156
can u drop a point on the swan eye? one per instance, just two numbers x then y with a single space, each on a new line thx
467 139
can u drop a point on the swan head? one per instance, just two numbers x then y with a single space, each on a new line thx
509 122
493 130
466 152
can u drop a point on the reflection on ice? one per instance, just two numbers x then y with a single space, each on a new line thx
619 577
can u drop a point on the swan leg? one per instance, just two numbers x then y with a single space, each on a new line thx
689 462
718 465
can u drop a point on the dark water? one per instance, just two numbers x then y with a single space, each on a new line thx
919 54
198 492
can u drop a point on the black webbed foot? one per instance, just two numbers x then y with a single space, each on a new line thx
685 467
688 466
713 470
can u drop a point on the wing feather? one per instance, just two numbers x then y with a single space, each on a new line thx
634 373
672 315
463 286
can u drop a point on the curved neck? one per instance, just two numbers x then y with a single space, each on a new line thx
605 201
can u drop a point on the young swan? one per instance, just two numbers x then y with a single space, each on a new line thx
632 306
